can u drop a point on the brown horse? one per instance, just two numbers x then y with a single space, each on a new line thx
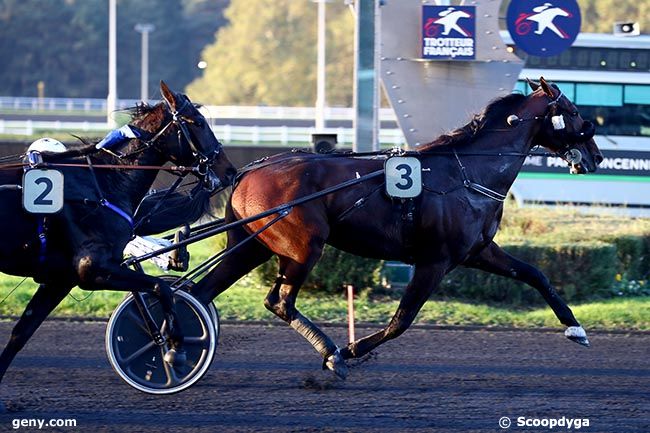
465 177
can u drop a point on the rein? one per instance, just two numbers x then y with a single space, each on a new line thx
173 168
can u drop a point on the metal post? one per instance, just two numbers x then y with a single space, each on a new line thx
365 78
144 29
111 99
320 80
350 293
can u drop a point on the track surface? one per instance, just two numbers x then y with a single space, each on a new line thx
267 379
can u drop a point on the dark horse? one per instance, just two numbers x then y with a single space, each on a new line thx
85 241
453 222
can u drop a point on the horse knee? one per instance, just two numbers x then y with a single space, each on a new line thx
278 305
280 308
88 271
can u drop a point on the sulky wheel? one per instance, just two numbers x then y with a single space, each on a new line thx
139 361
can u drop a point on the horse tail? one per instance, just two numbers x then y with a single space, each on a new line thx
177 209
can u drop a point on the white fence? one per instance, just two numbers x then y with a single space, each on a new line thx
87 105
296 135
31 127
283 135
227 133
98 106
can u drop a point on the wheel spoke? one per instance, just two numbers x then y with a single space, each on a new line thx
172 378
129 359
202 341
137 319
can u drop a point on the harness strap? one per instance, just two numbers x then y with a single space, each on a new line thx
103 201
408 228
117 210
476 186
42 237
357 204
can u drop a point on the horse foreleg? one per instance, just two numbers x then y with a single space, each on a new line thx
425 279
495 260
45 299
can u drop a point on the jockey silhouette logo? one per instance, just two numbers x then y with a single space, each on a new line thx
542 28
544 16
448 32
448 19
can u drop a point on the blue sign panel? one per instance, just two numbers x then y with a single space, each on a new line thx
541 28
448 32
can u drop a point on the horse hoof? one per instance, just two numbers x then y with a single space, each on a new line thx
175 358
336 363
577 334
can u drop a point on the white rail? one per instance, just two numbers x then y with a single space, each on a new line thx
86 105
283 135
98 106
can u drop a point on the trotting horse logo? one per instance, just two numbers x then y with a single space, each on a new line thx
543 28
448 32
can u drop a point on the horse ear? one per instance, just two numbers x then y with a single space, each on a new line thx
546 88
168 95
533 85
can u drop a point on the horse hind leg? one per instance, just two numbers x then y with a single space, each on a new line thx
281 301
45 299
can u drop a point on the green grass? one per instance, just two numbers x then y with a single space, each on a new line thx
565 225
244 301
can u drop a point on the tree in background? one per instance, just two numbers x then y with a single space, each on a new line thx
599 16
64 43
267 55
203 18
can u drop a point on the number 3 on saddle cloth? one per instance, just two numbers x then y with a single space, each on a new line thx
404 182
403 177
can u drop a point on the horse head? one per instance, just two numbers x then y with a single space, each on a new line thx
563 131
194 143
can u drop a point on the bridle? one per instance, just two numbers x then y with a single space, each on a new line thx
569 154
204 160
565 151
181 121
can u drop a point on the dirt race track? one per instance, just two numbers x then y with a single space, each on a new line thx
267 379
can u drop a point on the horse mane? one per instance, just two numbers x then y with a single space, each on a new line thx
87 146
142 111
497 110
